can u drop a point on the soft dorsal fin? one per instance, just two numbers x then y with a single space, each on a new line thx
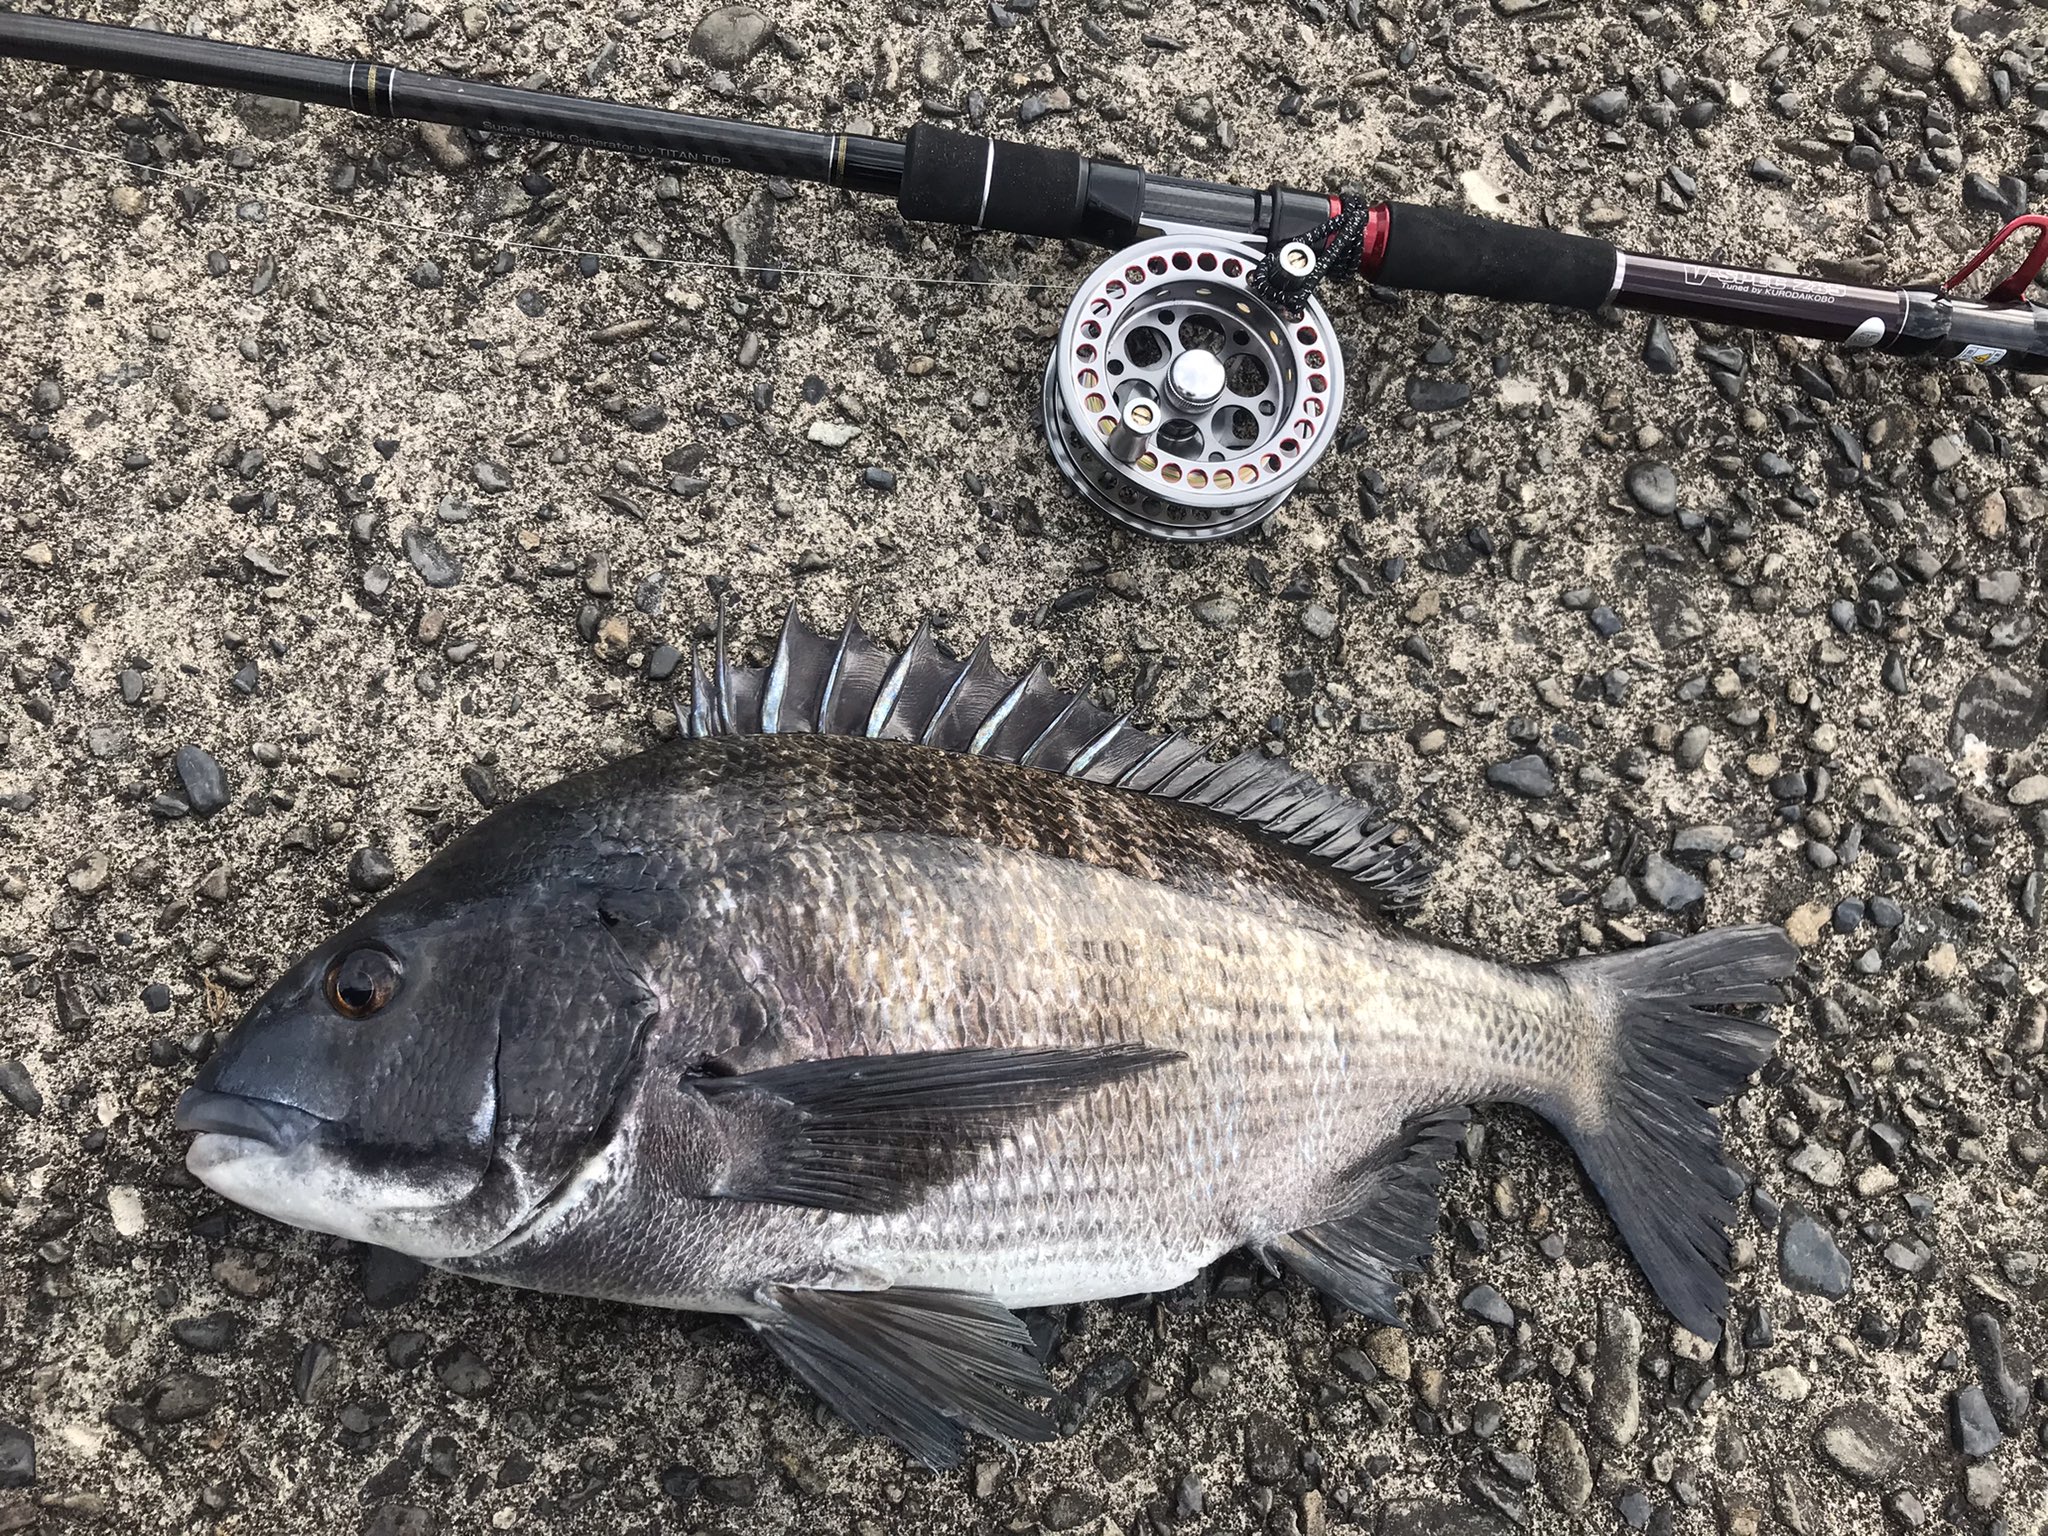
853 685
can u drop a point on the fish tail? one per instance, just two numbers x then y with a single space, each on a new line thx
1638 1114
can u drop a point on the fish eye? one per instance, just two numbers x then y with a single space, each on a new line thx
362 981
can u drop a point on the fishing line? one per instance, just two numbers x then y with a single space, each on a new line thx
243 192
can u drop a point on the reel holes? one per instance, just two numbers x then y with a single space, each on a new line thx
1202 333
1244 373
1145 346
1238 426
1182 437
1206 261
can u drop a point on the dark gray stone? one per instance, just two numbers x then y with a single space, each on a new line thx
462 1372
1528 776
213 1333
437 568
1809 1259
181 1396
1606 106
1652 485
1972 1427
1561 1463
2001 707
1861 1443
18 1088
269 117
731 35
1672 888
370 870
1904 55
1659 354
203 779
1485 1302
390 1278
17 1456
1436 392
1616 1412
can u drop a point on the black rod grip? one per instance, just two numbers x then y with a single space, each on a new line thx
1437 251
1027 189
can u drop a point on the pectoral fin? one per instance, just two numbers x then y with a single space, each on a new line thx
869 1134
920 1366
1359 1258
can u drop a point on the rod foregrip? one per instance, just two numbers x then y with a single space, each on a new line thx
1436 251
1026 189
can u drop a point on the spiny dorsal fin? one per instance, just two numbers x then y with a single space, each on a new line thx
852 685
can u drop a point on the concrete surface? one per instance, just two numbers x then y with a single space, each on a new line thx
234 379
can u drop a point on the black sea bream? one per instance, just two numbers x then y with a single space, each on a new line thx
900 993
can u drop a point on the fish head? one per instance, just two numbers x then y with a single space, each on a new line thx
427 1076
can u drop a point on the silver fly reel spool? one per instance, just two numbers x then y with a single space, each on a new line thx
1180 402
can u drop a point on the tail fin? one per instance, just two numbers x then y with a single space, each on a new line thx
1644 1134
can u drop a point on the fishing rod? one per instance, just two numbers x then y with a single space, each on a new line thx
1196 381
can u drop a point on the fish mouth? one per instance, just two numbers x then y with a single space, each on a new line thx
278 1126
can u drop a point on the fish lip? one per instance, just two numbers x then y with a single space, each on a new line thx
278 1126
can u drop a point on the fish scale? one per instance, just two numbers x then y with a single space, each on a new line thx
1303 1043
867 1041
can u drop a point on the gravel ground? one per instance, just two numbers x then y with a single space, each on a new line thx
330 513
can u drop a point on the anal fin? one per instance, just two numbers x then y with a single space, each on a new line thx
1358 1258
920 1366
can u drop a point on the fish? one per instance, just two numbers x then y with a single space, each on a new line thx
897 993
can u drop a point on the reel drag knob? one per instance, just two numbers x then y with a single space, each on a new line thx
1196 380
1178 400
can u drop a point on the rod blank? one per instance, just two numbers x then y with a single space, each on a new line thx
381 90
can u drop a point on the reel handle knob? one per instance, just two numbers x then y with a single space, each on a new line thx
1131 439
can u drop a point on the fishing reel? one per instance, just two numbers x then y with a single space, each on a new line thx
1182 402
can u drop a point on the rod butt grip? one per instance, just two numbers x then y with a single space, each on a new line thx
1433 250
